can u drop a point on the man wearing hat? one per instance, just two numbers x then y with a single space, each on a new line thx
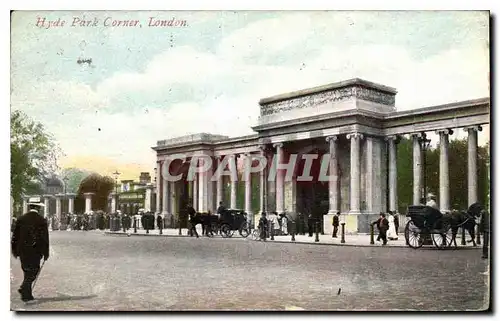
30 242
431 201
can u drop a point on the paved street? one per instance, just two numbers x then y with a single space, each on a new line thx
92 271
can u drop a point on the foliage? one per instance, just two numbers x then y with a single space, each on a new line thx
33 156
72 178
101 186
458 155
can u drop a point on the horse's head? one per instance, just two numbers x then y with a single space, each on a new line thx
475 210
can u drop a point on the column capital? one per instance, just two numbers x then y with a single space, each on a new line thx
444 131
88 194
477 128
49 196
331 138
391 137
418 135
262 147
59 196
354 136
278 145
70 195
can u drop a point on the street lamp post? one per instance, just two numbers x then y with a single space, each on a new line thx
65 180
425 144
116 174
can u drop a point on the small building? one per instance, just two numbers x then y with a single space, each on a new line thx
132 194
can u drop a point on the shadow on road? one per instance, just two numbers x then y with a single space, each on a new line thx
62 298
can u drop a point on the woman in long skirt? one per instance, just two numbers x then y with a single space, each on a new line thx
391 233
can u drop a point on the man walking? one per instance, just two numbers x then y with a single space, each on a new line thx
383 226
335 224
30 242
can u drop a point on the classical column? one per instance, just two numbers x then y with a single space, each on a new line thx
165 196
472 163
25 204
71 202
333 190
195 187
280 179
88 202
393 173
444 173
58 205
172 193
46 203
233 166
248 186
219 183
159 181
148 197
417 169
203 187
355 172
263 181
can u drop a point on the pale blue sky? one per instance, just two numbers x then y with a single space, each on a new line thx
148 83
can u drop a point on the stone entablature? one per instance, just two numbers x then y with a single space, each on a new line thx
344 90
201 138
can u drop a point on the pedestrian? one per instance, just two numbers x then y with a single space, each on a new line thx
30 242
263 226
383 226
335 224
396 221
159 222
391 233
310 224
192 220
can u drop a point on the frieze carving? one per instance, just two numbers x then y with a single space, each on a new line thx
338 94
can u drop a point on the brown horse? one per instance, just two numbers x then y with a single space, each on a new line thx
465 220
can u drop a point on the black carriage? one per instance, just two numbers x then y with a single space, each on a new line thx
425 222
233 220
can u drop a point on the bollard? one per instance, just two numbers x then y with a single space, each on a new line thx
272 231
372 239
463 237
180 230
293 231
135 225
478 237
161 228
342 240
317 232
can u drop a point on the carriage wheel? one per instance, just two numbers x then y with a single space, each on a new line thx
442 235
244 229
225 230
413 237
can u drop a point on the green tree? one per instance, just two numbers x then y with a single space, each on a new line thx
101 186
33 156
74 176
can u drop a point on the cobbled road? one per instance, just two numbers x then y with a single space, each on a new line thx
92 271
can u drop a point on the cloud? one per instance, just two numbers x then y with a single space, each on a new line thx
187 89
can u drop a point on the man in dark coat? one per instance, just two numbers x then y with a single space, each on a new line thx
30 242
159 222
192 220
382 225
396 220
263 226
335 224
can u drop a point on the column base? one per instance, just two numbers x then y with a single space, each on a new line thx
358 222
168 220
327 223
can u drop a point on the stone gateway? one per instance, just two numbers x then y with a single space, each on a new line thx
354 122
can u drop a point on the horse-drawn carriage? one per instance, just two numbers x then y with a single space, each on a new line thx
229 221
427 222
234 220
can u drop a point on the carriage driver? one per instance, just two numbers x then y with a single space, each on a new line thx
431 201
